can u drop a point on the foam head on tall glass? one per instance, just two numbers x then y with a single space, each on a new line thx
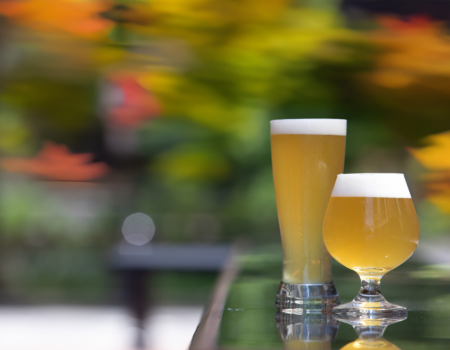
370 227
307 156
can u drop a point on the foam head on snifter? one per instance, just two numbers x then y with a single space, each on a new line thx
371 185
309 126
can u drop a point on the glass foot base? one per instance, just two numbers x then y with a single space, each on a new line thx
300 299
363 310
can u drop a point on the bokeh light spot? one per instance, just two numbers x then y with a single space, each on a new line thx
138 229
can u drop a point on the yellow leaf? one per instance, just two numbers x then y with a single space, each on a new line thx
436 156
442 201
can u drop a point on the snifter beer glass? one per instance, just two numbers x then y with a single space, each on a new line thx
307 155
370 227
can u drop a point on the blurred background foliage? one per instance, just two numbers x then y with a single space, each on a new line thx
163 107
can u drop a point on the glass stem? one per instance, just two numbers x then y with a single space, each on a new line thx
370 290
370 332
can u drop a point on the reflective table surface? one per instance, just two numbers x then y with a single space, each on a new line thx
247 319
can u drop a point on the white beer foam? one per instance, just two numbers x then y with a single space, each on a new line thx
309 126
371 185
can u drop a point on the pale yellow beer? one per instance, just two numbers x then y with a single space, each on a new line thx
371 225
305 162
370 344
371 235
307 345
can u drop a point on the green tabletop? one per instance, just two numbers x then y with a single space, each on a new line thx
247 319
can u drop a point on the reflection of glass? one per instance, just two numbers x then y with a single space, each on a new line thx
371 227
370 332
311 332
307 155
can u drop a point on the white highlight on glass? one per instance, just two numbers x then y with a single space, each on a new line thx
371 185
138 229
309 126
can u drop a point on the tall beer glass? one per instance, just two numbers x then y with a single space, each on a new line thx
307 155
307 332
370 227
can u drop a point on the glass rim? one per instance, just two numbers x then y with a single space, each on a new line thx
282 120
372 174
